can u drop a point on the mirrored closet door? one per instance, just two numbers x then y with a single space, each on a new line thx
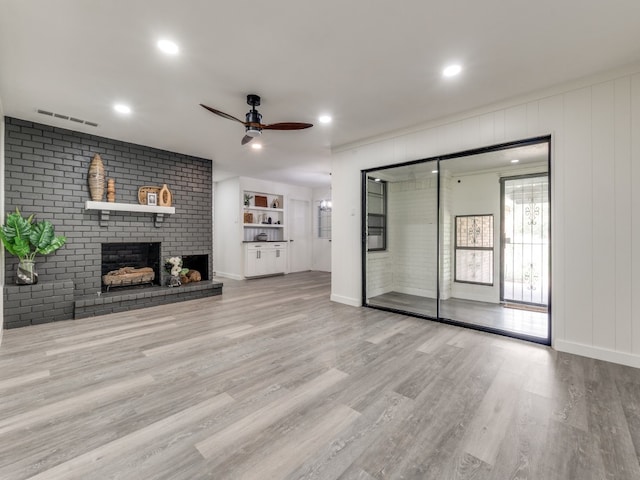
463 239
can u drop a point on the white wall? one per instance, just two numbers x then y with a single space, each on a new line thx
477 195
595 211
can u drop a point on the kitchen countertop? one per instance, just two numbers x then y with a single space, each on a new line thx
264 241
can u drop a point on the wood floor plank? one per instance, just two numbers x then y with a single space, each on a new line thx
267 415
82 401
83 465
107 340
493 418
23 379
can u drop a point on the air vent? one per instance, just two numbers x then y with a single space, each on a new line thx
67 117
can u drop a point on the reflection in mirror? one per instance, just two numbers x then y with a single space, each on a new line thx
401 258
496 280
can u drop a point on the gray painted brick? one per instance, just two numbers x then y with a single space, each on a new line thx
55 163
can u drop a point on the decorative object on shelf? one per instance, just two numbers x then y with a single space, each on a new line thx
191 276
164 196
261 237
247 199
261 201
269 220
96 178
24 239
275 203
248 217
111 190
152 198
173 266
143 191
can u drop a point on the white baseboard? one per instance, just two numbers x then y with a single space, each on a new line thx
232 276
607 355
354 302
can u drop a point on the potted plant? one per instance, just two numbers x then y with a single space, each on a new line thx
25 239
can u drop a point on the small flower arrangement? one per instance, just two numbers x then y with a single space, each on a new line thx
173 266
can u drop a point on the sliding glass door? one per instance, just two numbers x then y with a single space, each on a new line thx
462 239
401 225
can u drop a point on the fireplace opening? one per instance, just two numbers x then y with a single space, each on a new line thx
197 262
130 265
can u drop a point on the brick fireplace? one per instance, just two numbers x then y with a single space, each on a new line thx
46 174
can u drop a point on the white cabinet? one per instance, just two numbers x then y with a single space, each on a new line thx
265 258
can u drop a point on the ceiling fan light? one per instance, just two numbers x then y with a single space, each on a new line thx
253 132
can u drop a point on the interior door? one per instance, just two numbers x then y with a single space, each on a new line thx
299 236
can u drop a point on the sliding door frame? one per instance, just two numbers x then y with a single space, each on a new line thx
364 174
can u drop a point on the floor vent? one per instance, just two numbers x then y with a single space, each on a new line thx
67 117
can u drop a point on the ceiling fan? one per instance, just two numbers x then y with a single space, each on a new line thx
252 125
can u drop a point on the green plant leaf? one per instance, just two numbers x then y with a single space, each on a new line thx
55 244
21 248
43 238
15 234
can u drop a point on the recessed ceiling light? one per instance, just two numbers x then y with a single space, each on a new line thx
256 146
434 171
168 47
121 108
452 70
515 160
376 179
324 119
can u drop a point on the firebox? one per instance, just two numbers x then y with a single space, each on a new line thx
117 256
197 262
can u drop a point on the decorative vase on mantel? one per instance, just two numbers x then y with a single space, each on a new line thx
26 273
164 196
96 179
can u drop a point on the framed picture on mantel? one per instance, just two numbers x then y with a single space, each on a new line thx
152 199
261 201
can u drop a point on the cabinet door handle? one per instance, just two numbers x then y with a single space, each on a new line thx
277 253
258 254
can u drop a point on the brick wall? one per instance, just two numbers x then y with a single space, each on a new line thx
413 222
46 174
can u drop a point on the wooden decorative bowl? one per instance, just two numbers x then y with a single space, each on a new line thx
142 193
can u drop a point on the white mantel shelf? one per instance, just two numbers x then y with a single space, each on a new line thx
105 207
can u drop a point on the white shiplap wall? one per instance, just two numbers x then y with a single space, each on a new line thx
595 174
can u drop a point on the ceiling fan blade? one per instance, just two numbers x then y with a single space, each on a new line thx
246 139
222 114
287 126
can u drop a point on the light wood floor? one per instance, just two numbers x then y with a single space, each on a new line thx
273 381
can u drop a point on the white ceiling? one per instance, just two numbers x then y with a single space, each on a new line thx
374 65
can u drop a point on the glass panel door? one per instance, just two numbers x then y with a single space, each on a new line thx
401 258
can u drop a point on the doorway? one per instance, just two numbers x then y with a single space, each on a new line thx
434 242
525 241
299 236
